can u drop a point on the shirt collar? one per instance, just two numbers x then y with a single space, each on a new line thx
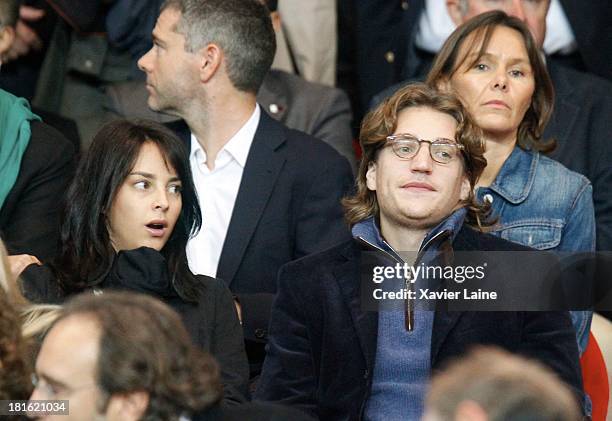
516 176
238 146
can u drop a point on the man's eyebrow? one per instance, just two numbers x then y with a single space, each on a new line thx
53 382
157 39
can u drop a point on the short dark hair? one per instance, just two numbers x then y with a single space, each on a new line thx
9 12
85 242
145 346
447 62
242 29
382 121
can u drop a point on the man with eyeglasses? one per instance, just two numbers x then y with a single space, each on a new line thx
328 353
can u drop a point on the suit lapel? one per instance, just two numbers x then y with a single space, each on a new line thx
272 98
366 322
261 171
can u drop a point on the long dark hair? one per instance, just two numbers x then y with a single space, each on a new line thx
86 249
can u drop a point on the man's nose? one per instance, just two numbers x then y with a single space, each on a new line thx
143 61
422 161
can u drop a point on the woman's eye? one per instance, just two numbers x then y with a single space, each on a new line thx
481 66
175 188
141 185
516 73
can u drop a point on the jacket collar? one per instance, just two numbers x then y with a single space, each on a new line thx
368 231
516 177
348 274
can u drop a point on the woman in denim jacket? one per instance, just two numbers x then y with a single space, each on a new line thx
493 64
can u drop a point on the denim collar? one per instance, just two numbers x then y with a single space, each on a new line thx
516 176
369 231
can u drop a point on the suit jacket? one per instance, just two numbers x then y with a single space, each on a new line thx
376 44
29 218
581 124
322 344
590 22
321 111
288 206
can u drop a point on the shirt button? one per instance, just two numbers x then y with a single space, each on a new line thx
488 198
390 57
88 64
405 5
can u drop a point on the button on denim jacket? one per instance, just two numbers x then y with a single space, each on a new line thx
542 204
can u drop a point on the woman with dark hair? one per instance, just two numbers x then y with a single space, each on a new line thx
494 66
129 213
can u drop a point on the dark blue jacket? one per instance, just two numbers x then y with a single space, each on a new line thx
321 347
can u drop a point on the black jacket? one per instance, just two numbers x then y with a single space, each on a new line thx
29 217
288 206
212 322
322 344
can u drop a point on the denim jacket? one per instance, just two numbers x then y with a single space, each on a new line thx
542 204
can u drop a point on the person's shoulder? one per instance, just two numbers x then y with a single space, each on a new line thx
48 142
550 169
472 239
286 81
324 261
301 148
568 81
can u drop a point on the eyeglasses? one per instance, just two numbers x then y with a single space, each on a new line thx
441 150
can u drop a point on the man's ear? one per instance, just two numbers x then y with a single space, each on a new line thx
470 411
456 10
210 58
7 36
371 176
127 407
276 21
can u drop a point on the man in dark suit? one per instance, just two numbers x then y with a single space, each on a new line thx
268 194
331 357
580 121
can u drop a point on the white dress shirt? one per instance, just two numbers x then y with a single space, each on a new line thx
217 191
435 25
